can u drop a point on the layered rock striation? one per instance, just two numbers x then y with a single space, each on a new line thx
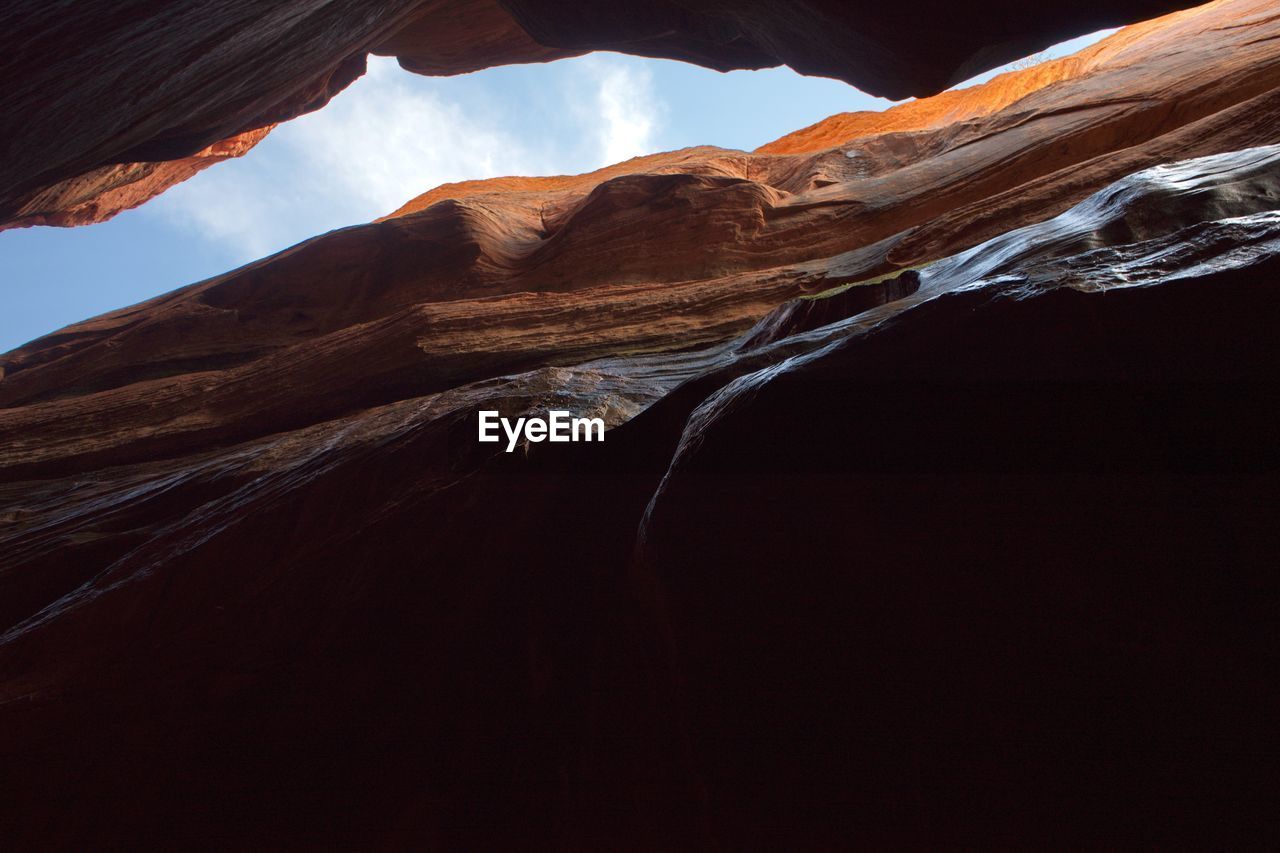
972 541
934 510
473 280
95 99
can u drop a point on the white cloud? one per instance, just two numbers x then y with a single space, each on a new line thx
386 142
391 136
629 111
223 207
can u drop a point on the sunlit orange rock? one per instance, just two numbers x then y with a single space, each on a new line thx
102 193
1133 45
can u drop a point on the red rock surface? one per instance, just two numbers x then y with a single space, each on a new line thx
1131 46
92 98
98 195
443 292
444 38
977 555
1020 567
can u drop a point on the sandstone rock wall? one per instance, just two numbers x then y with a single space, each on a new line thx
91 97
973 546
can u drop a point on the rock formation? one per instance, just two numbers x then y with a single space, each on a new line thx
473 280
935 507
101 193
1081 430
93 98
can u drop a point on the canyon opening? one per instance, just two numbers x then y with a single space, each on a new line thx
940 385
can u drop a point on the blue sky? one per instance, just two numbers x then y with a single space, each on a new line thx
388 137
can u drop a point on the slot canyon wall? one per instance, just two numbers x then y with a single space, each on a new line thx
104 105
937 505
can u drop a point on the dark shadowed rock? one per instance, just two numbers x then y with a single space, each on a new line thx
989 564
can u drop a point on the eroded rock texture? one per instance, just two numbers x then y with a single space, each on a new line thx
988 563
666 252
92 96
970 546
